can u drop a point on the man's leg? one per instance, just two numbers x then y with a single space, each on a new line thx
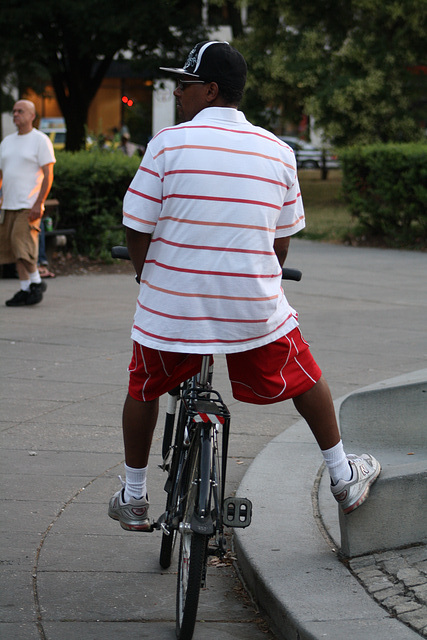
31 281
130 504
281 369
351 475
24 242
139 422
317 409
31 286
24 269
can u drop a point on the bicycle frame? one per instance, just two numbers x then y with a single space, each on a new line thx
202 413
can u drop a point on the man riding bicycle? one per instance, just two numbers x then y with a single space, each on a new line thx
209 216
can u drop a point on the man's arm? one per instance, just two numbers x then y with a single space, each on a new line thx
281 246
37 209
137 244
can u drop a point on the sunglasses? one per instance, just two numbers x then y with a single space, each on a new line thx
185 83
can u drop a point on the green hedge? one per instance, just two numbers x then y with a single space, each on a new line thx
386 188
90 186
384 185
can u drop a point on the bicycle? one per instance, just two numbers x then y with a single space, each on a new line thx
194 452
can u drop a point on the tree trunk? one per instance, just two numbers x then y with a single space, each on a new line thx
323 168
75 120
75 89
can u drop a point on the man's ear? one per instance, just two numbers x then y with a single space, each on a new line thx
212 91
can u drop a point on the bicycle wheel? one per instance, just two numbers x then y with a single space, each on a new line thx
166 549
192 559
168 538
191 566
172 502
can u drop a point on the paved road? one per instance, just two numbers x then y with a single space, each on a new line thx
71 571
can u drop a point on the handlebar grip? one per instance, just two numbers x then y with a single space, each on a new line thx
120 252
291 274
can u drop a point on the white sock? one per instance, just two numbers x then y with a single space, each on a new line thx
35 277
337 463
25 285
136 483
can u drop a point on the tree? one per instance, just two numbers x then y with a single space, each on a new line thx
75 41
6 99
350 64
369 94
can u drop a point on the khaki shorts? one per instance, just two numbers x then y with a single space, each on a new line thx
19 238
272 373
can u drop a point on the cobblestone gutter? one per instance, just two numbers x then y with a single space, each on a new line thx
397 580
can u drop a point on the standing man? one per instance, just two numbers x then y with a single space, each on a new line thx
209 215
26 176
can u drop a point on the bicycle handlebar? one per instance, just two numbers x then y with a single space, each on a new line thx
122 253
291 274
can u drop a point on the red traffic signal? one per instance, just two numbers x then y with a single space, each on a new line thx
127 101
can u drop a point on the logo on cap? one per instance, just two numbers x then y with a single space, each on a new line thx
191 61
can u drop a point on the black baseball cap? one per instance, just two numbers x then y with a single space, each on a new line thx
214 61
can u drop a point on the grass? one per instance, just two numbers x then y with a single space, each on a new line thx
327 216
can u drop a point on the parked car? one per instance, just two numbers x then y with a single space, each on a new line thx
57 137
308 156
55 129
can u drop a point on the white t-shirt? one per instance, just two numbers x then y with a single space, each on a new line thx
21 159
214 193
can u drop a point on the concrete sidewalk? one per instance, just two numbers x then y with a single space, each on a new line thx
68 570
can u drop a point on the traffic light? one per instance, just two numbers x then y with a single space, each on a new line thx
127 101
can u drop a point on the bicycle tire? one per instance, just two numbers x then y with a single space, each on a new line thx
192 559
168 540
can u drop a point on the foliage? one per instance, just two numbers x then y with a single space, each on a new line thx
328 218
386 188
357 67
90 186
372 90
75 41
271 95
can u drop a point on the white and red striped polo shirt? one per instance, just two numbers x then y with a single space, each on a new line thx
214 193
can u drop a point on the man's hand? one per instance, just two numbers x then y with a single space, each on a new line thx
36 212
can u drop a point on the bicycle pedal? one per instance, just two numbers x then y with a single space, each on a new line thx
237 512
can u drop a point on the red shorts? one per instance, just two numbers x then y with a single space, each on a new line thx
271 373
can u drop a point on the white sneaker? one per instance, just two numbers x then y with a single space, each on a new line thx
350 494
133 515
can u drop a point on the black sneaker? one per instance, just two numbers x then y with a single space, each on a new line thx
36 293
41 286
19 299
